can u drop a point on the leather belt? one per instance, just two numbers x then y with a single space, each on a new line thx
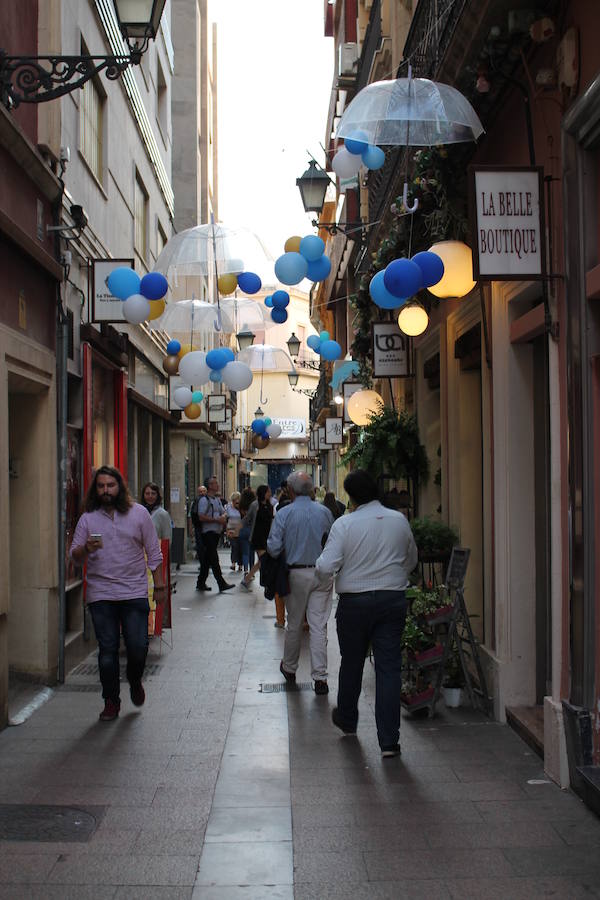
301 566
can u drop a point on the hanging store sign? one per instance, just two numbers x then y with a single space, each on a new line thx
334 431
390 351
105 306
291 429
507 217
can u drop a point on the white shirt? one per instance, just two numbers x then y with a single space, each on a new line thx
372 549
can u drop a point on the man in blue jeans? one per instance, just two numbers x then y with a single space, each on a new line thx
371 552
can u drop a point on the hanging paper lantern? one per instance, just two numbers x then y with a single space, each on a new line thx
312 247
193 368
431 266
171 364
237 376
136 309
357 142
227 283
279 315
157 308
173 347
330 350
249 282
123 282
154 286
291 268
280 299
458 270
363 405
413 319
193 411
373 157
292 245
217 359
403 278
183 396
197 396
345 164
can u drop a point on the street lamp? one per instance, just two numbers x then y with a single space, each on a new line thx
245 339
293 344
293 378
35 79
313 187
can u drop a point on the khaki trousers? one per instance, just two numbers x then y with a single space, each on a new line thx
313 598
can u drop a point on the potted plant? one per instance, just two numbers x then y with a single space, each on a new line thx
390 446
431 604
454 681
434 539
419 645
412 694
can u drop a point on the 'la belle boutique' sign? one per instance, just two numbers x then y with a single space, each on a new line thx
507 217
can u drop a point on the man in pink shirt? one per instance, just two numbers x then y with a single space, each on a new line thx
118 540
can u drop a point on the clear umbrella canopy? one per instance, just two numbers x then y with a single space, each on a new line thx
247 314
189 317
266 358
410 112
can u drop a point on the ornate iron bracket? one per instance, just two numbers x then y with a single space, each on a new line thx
35 79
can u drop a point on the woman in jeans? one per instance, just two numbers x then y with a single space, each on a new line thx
263 518
232 529
247 512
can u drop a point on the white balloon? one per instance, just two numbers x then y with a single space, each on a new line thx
136 309
182 396
233 266
345 164
274 430
193 368
237 376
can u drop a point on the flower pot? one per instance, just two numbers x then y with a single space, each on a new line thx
431 655
416 699
452 696
442 613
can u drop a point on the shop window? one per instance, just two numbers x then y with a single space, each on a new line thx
467 349
149 383
91 124
102 417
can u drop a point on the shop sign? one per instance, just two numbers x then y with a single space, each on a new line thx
507 217
291 429
323 445
235 446
105 306
390 351
334 432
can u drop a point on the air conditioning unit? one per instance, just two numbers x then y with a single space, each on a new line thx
348 59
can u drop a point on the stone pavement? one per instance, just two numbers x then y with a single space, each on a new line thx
216 790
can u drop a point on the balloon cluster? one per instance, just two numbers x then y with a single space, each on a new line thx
142 297
402 278
197 367
355 153
248 282
303 258
277 303
263 430
324 346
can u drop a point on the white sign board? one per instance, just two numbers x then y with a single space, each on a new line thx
235 446
334 431
106 307
291 429
390 351
507 206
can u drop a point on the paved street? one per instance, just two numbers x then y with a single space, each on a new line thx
216 790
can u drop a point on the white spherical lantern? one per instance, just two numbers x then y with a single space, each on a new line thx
345 164
182 396
136 309
457 279
274 430
237 376
193 368
363 405
413 319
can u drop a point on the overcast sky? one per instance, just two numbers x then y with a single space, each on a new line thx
275 72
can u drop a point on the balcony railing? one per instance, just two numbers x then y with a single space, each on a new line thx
429 35
370 45
321 398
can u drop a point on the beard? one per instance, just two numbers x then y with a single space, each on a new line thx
108 500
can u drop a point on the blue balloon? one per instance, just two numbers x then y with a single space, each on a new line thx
216 375
313 342
431 266
216 359
319 269
197 396
154 286
330 350
279 315
356 143
173 348
280 299
228 353
123 282
312 247
291 268
269 301
402 278
373 157
380 294
249 283
324 336
258 426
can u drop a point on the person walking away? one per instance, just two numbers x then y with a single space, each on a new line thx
212 518
234 523
263 519
115 536
197 525
335 507
371 553
247 510
301 530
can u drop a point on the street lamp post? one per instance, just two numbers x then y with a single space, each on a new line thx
313 185
36 79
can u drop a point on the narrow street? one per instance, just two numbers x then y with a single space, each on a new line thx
218 790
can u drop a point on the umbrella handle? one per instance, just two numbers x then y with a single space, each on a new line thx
263 400
218 320
415 204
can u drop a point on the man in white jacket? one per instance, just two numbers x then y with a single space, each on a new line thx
371 552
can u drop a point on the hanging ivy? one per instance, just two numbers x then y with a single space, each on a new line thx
390 445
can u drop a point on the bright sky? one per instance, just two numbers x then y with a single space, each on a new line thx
275 73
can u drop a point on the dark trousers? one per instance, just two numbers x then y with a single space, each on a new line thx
199 543
376 618
210 560
109 616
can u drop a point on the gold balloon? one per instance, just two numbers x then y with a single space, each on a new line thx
193 410
292 245
186 348
157 308
259 441
227 284
171 365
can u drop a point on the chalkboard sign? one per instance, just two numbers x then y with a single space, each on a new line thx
457 567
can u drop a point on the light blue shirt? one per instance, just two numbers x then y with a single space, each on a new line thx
298 529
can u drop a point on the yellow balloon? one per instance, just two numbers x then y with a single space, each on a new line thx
292 245
227 283
192 410
157 308
186 348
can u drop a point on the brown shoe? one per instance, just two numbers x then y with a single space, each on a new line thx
110 711
321 687
290 677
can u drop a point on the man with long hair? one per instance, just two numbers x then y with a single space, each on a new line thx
115 536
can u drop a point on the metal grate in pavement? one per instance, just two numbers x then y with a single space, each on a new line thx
269 617
80 688
31 822
92 669
285 686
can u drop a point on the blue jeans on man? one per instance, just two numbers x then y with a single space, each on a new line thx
109 616
374 618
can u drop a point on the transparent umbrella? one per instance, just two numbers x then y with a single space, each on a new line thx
410 112
266 358
247 314
188 317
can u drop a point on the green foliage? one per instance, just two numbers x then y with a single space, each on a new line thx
390 445
424 602
413 637
432 537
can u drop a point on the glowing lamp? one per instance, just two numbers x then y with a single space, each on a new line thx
363 405
413 319
457 279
